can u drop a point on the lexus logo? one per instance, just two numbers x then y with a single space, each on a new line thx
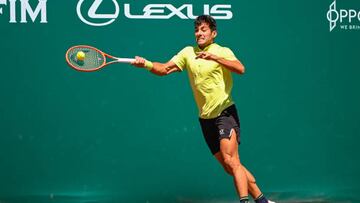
151 11
110 18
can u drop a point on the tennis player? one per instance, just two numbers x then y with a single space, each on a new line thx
209 67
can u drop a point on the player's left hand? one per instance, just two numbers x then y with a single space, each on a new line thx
206 55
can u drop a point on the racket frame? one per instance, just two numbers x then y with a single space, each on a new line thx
105 56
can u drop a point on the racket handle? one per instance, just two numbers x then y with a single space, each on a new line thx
125 60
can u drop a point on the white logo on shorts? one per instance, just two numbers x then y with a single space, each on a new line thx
221 132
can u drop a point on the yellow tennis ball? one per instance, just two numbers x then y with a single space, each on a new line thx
80 55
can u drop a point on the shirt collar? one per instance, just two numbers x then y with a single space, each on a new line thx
207 47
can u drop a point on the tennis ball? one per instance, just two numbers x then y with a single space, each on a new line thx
80 55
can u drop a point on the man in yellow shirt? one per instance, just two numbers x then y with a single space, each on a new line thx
209 68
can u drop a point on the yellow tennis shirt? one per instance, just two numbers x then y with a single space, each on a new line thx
211 82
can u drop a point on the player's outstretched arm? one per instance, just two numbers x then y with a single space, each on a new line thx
156 68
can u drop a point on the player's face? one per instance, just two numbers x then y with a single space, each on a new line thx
203 35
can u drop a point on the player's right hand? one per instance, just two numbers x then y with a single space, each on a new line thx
139 62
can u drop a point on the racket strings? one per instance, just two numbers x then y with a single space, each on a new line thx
92 61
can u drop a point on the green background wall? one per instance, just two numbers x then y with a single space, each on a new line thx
124 135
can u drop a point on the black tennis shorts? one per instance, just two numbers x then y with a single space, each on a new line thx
220 127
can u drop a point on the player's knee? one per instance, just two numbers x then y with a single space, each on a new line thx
231 163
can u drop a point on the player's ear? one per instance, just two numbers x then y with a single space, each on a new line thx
214 33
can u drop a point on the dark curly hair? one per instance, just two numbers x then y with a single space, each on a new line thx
205 19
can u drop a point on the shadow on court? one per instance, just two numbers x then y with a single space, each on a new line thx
53 198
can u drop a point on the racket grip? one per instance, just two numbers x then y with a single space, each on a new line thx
125 60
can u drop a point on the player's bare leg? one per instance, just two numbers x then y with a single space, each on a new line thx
251 182
230 158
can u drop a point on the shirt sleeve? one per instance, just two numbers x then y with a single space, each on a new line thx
180 59
228 54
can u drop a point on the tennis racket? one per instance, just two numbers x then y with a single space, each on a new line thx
92 58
